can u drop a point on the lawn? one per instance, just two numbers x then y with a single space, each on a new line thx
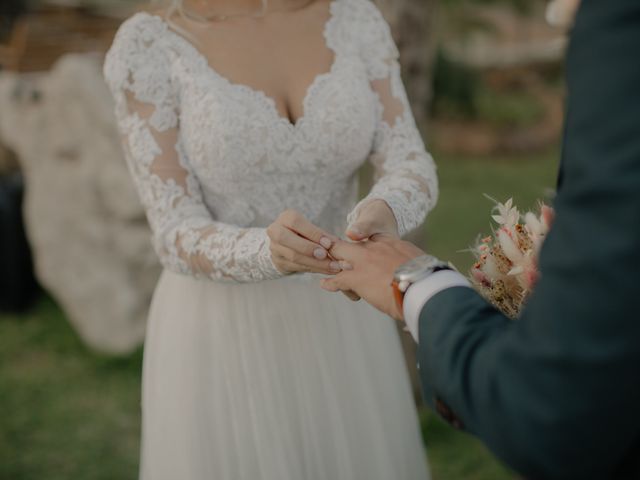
66 413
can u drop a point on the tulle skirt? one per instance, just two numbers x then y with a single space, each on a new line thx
277 380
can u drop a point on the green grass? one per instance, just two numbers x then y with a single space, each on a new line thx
67 413
454 455
463 212
508 109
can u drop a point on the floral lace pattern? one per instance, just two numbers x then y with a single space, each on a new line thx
215 163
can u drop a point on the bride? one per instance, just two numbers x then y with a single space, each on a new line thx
244 126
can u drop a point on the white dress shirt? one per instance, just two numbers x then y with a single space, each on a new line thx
424 290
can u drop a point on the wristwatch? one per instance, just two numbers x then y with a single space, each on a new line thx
413 271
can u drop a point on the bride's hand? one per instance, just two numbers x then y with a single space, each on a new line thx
376 217
299 246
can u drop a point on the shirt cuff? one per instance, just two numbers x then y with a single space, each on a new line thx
424 290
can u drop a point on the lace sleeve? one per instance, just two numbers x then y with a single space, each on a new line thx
185 236
405 173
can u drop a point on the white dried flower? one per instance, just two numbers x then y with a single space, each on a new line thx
507 263
508 215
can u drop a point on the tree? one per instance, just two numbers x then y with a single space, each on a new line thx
413 23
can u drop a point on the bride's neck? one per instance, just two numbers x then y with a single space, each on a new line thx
233 7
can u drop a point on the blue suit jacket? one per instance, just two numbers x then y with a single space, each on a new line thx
556 394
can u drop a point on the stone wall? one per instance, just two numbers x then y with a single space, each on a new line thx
87 229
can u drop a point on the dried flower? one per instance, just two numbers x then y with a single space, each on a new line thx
506 268
508 215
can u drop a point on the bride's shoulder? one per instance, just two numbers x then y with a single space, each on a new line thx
361 18
362 10
145 25
364 29
364 20
137 46
141 33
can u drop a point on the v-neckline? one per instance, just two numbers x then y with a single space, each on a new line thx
255 92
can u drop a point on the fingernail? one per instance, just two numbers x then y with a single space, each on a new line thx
355 234
320 254
346 266
326 242
335 266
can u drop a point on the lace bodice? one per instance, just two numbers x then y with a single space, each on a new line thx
215 163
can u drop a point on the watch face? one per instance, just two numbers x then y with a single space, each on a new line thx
415 269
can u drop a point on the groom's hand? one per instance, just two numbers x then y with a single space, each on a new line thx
373 265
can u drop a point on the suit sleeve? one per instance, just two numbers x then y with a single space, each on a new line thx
555 394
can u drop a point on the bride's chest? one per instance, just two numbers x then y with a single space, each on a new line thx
232 129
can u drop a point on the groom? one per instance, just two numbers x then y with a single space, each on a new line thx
556 393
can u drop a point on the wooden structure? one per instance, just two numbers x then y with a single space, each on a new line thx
42 36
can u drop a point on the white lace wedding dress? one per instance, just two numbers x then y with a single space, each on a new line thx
249 374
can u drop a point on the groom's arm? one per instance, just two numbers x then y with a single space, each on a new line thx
556 394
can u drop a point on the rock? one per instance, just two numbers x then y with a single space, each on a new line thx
87 229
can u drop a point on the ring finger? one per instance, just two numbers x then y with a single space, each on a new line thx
295 261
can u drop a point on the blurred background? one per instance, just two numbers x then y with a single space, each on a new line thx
76 267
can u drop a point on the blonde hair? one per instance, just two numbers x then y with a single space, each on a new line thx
177 7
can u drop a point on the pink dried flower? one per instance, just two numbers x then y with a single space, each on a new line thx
481 277
548 216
